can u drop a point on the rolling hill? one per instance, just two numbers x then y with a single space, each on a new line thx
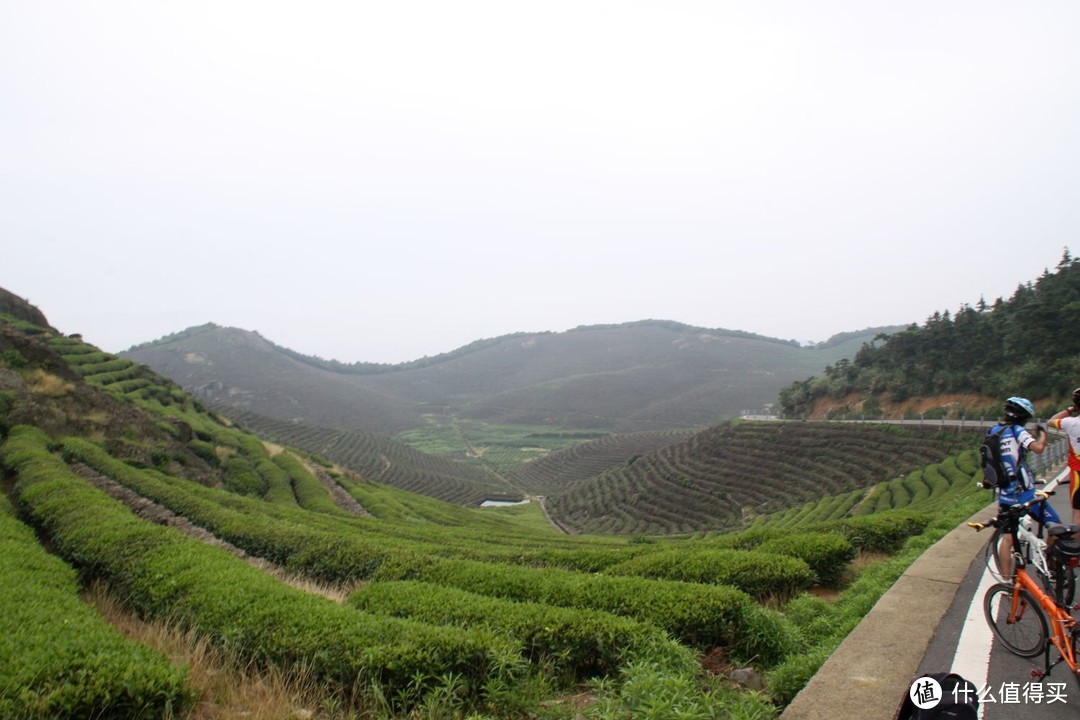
128 502
649 375
727 475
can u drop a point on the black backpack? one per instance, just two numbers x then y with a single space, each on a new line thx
996 474
959 700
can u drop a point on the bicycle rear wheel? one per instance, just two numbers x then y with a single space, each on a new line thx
1023 629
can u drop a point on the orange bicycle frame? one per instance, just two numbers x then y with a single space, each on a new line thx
1061 622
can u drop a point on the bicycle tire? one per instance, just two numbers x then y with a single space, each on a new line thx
1027 634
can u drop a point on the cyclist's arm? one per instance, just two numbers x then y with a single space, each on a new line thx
1055 421
1030 442
1065 420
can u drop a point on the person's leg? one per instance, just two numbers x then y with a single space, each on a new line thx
1004 547
1074 495
1047 515
1005 558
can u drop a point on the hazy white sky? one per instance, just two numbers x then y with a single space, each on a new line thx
380 181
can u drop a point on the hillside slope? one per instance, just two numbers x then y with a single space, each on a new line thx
113 474
972 359
381 459
639 376
727 475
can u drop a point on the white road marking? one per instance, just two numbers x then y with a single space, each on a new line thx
972 658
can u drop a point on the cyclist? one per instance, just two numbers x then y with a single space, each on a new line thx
1070 425
1015 442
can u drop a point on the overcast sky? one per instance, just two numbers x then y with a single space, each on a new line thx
379 181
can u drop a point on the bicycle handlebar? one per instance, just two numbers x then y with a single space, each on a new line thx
1012 511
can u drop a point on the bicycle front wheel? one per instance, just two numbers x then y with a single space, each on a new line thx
1016 619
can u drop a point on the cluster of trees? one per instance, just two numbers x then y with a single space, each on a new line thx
1025 345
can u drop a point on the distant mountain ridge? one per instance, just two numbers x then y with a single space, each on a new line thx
645 375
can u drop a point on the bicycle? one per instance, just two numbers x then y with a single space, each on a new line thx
1021 614
1027 534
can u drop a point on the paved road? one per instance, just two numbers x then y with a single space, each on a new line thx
965 645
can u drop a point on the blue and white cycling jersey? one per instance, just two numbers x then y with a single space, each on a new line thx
1014 441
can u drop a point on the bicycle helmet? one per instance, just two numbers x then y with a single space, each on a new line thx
1019 409
1076 397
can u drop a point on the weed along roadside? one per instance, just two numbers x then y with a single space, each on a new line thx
867 676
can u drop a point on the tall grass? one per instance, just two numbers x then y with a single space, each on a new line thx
225 686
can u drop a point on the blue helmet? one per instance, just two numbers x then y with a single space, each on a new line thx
1019 409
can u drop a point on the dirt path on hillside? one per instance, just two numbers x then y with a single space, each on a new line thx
542 502
338 494
159 514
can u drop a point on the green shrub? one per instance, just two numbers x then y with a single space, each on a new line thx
205 450
879 532
283 538
967 464
747 539
13 359
109 364
58 657
309 492
278 488
882 498
827 554
167 575
571 642
901 498
90 359
649 690
759 574
822 626
789 677
241 477
705 616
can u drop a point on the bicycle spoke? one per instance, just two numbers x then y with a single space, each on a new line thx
1016 619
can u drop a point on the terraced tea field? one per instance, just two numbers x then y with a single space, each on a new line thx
724 477
114 475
